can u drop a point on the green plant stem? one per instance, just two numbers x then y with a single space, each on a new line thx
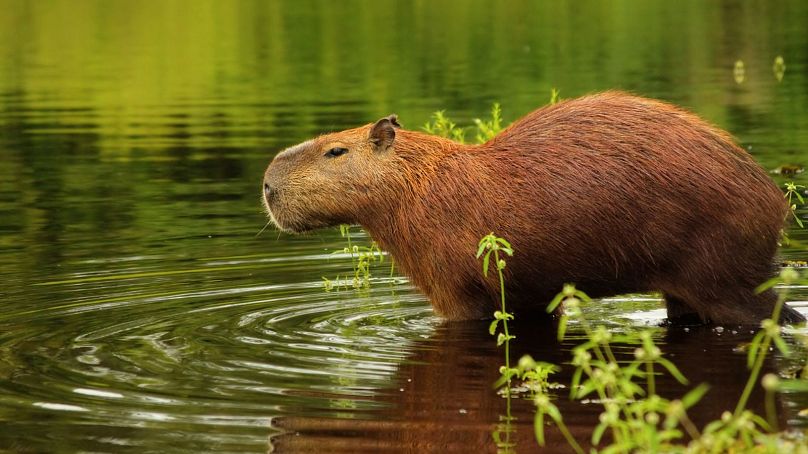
756 368
568 435
691 428
505 320
771 411
603 394
508 417
649 369
350 251
753 376
606 394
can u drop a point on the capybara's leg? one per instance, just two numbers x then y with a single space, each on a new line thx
679 313
745 307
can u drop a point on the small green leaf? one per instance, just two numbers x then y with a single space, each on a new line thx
695 395
713 426
768 284
598 433
482 248
501 339
799 196
502 241
492 328
497 437
781 345
574 384
501 381
754 347
562 327
760 422
583 296
538 426
552 410
485 264
795 385
633 369
586 388
555 302
671 434
673 370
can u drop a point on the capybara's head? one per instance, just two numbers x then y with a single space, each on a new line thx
330 179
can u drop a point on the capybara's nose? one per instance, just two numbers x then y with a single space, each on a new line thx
269 192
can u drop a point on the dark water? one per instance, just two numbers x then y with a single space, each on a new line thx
141 312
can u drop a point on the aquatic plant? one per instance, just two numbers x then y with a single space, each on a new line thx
362 257
492 245
488 129
640 420
635 416
793 195
535 376
554 98
743 430
442 126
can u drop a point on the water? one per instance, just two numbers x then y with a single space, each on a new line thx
143 312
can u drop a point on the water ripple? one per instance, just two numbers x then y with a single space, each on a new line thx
214 352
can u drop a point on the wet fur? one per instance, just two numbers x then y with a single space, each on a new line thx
613 192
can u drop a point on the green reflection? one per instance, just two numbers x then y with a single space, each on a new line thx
133 137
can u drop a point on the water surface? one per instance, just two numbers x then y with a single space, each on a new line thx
142 311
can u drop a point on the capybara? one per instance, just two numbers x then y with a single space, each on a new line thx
613 192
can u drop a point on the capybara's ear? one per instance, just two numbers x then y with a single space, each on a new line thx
383 132
394 119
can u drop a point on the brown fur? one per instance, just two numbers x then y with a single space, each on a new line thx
613 192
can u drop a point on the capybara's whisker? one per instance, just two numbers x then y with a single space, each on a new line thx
264 228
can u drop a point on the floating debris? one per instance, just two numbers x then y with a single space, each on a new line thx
795 263
788 169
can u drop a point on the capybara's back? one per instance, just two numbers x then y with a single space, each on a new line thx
613 192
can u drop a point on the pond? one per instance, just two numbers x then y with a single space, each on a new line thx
145 306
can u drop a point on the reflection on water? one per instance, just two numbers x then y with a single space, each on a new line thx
442 398
142 311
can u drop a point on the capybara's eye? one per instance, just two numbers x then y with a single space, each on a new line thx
334 152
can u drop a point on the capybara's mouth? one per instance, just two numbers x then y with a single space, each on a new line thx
284 224
287 219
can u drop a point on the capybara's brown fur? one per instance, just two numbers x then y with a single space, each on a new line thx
613 192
